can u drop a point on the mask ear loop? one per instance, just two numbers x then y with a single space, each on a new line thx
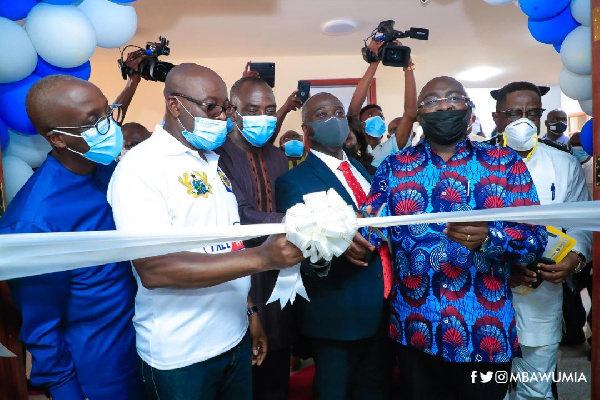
186 110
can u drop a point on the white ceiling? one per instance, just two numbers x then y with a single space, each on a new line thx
463 33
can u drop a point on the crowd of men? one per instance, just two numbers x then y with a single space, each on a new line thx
434 301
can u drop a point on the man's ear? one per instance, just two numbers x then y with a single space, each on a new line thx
495 117
173 106
56 140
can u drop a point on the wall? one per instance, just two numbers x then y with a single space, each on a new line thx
147 107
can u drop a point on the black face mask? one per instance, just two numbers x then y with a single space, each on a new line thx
350 151
558 127
445 127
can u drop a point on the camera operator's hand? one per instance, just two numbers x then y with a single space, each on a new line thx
375 45
133 62
292 103
247 71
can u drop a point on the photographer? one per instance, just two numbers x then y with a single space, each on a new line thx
372 115
133 80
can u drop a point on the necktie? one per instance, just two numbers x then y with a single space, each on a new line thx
360 196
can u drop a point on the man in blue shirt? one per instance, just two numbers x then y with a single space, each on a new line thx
451 305
76 324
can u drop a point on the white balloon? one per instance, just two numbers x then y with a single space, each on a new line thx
498 2
582 11
115 24
19 58
32 149
586 106
577 87
62 35
16 173
576 51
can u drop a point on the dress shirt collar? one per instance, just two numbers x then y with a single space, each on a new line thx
332 162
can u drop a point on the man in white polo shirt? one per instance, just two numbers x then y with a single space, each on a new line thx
192 311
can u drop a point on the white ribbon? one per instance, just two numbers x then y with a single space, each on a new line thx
322 227
28 254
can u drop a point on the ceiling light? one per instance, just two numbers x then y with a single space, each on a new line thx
478 74
338 27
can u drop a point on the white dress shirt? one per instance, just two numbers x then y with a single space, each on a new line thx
558 178
334 163
164 184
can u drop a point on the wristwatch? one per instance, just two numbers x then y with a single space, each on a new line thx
581 259
252 310
410 67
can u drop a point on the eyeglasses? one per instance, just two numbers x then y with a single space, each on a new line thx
533 114
102 124
211 109
453 100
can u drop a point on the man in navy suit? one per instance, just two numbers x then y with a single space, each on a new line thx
345 318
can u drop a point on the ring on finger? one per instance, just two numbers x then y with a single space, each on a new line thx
468 237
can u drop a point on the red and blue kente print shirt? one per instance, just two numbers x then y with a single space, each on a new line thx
446 300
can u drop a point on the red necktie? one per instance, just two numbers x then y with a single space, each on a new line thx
360 196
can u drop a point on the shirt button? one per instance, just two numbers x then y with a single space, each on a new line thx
443 193
445 285
445 320
379 276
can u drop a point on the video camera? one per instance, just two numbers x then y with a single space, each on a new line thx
392 54
150 68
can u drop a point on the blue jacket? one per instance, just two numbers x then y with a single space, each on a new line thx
76 324
348 303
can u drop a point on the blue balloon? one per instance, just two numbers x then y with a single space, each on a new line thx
587 137
12 105
3 136
553 30
16 9
543 9
44 69
122 1
557 46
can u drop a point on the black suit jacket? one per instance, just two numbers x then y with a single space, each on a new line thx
348 303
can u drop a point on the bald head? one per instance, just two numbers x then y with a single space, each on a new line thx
441 84
193 80
63 100
318 101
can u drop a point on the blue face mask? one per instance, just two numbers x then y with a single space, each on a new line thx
230 125
580 154
331 132
258 129
294 148
104 148
375 126
208 133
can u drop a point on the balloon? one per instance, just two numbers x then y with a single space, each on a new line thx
12 105
61 35
122 1
115 24
557 47
18 57
582 11
577 87
16 9
45 69
553 30
4 138
543 9
586 106
587 137
576 51
16 174
32 149
495 2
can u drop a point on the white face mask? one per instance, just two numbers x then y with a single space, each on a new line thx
520 135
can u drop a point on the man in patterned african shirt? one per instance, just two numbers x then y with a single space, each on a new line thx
451 306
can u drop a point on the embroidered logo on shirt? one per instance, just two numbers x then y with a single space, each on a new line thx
198 185
225 180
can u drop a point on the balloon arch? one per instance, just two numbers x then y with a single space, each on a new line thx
41 38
